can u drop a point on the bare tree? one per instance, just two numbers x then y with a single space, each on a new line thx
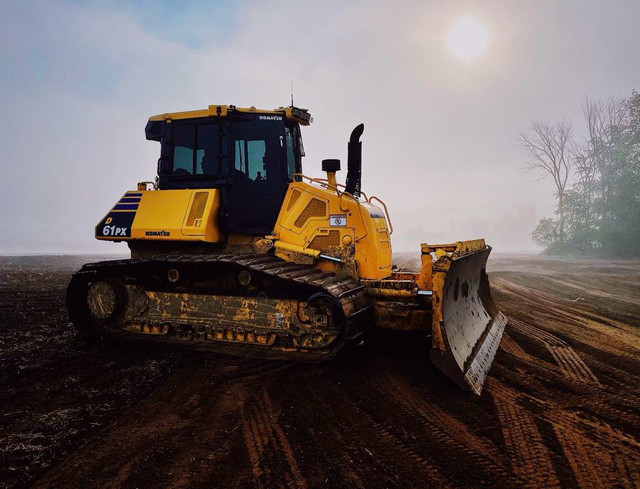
548 146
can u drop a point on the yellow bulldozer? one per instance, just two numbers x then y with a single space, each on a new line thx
234 249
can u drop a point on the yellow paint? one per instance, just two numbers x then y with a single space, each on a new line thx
365 226
225 110
163 215
439 270
284 247
331 178
459 247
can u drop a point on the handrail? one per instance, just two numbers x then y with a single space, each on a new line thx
373 197
325 183
364 199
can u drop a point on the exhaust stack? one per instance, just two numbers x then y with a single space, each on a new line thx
354 162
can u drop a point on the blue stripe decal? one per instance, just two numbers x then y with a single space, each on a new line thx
125 207
132 194
124 200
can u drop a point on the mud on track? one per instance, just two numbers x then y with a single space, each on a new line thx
561 407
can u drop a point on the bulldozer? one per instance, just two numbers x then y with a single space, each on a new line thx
235 249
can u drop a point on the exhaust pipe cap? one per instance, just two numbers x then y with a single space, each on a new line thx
331 165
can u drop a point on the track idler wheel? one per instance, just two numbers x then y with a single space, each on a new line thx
106 299
326 319
326 312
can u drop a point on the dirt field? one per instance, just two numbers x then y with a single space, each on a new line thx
561 407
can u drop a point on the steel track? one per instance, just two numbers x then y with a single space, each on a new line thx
288 281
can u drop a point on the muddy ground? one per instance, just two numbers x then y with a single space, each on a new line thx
561 407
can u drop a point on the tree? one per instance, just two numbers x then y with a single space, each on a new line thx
581 201
604 120
613 130
601 209
548 146
545 233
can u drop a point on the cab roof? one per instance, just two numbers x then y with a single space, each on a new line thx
296 114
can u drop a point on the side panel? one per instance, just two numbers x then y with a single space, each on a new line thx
118 223
320 219
163 215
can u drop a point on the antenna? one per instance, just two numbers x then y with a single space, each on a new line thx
291 94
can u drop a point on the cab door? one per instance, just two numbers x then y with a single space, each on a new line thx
259 177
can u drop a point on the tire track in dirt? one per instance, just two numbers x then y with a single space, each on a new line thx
445 429
572 364
591 333
626 386
529 456
243 369
156 439
385 453
566 357
574 448
116 454
590 445
511 346
597 407
210 442
607 401
266 440
327 414
599 455
570 318
395 446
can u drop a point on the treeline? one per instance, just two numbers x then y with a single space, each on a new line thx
597 179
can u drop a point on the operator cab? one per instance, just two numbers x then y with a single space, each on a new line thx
250 155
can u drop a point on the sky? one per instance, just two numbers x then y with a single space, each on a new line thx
78 81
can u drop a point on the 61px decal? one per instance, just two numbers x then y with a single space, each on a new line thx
114 231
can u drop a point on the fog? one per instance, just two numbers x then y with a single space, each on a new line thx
440 146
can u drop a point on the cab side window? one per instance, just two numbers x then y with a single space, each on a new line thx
249 158
291 156
183 141
257 149
195 149
207 154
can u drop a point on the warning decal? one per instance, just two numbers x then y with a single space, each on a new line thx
338 220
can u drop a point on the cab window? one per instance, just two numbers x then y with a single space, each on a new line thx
257 148
207 157
291 154
195 149
183 140
250 158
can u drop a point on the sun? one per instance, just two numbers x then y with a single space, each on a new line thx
468 38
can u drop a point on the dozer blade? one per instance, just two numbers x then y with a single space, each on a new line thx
467 326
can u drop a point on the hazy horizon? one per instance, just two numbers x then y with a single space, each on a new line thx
440 145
